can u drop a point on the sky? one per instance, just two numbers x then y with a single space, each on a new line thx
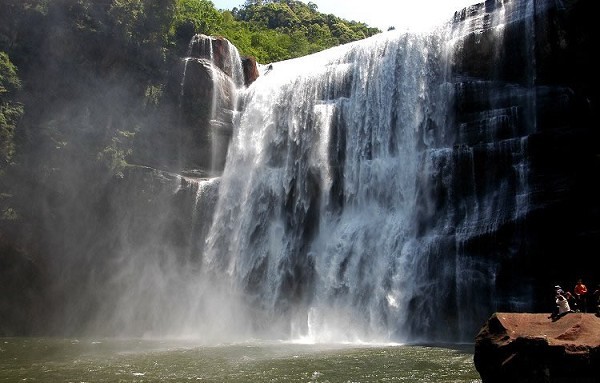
402 14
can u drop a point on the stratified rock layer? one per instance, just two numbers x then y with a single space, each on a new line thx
518 347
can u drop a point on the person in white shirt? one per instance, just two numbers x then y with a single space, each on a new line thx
562 305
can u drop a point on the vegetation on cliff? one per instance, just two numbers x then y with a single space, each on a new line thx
281 29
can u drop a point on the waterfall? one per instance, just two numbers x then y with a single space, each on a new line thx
378 191
318 219
357 192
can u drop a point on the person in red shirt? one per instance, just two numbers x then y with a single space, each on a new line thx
580 292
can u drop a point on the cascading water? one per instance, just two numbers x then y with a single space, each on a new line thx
356 185
318 216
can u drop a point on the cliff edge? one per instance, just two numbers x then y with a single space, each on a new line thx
523 347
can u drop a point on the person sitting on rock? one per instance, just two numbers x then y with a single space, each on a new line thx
562 305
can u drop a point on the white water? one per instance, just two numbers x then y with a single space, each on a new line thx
329 221
348 194
316 215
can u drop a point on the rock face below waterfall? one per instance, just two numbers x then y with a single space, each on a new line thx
522 76
520 347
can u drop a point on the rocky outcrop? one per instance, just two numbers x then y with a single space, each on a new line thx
210 77
207 105
530 348
250 68
216 49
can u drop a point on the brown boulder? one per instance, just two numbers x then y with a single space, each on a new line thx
250 69
521 347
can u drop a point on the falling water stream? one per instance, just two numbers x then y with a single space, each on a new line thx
327 222
316 219
351 189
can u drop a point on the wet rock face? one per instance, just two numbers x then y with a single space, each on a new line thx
219 51
211 75
521 74
519 348
215 49
206 114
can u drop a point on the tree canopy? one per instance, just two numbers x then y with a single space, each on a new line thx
284 29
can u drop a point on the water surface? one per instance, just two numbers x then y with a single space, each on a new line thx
134 360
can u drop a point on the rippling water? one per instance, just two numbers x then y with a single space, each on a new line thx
132 360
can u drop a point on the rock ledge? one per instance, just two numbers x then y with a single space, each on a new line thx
521 347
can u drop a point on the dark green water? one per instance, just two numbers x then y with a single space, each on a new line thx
67 360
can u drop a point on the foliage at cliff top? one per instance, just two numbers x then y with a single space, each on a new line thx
276 30
269 30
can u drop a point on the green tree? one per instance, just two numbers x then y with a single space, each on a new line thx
297 27
10 110
143 25
10 113
192 17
